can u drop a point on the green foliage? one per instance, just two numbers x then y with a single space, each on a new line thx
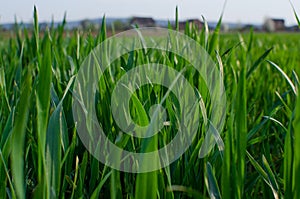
41 155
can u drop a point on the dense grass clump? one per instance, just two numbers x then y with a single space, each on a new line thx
41 155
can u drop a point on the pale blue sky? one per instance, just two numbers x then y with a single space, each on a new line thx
244 11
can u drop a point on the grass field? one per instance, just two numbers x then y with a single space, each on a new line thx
41 155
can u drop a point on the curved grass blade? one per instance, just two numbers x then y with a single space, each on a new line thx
295 14
271 178
266 173
276 121
284 75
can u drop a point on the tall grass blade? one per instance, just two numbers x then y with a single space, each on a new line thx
5 148
213 43
146 185
288 164
36 35
211 183
241 132
57 130
271 178
296 163
103 33
266 173
18 137
176 19
295 14
4 171
115 185
205 34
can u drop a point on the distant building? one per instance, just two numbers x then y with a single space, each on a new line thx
224 27
43 26
272 25
249 27
279 24
293 28
142 21
196 22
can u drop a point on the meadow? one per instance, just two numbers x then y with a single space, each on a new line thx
41 155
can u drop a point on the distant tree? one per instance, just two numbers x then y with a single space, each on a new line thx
87 25
1 28
119 25
84 24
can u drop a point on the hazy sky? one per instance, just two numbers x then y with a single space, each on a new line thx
244 11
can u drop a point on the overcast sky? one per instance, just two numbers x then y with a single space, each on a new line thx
244 11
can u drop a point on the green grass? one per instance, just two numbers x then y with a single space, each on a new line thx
42 156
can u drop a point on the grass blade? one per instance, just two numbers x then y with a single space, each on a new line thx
57 127
258 61
18 137
95 194
146 185
266 174
241 132
295 14
288 165
284 75
211 183
176 19
43 105
296 166
213 43
3 182
271 178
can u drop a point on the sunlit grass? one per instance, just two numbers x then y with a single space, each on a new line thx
41 155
